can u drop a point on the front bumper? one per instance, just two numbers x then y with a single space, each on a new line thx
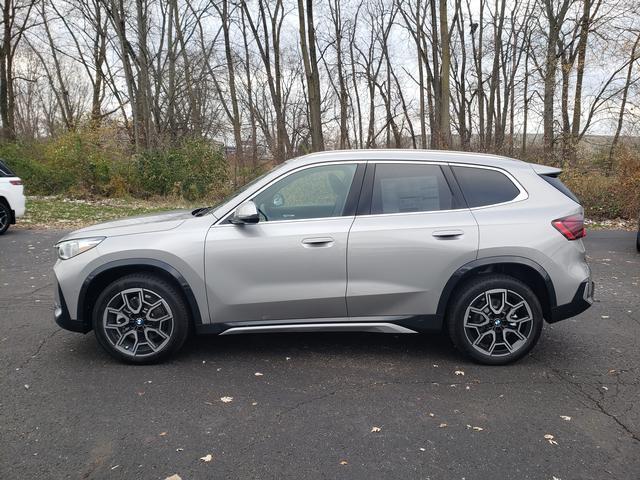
582 300
62 317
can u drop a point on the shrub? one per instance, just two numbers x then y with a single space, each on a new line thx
193 170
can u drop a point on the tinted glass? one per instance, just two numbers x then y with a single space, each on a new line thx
404 188
557 183
484 187
5 171
317 192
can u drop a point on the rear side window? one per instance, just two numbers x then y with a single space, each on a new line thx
405 188
484 187
557 183
5 171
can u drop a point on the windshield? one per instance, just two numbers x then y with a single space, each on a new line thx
201 211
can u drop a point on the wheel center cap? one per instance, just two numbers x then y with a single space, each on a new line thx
497 322
139 322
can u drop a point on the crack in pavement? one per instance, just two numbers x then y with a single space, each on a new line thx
40 345
598 404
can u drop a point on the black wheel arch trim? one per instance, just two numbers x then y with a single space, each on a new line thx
146 262
459 274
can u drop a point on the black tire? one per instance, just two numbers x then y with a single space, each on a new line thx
5 217
638 241
472 291
151 287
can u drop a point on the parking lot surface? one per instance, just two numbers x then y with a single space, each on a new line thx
320 405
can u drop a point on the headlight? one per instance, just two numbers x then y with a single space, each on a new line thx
71 248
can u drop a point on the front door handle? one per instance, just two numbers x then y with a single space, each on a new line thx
445 234
317 242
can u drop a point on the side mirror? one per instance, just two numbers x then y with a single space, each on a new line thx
246 212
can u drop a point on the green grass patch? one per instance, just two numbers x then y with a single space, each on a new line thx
63 213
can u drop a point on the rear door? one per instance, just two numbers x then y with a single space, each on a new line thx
412 233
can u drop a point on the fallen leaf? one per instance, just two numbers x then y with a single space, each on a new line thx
606 389
344 462
148 381
565 417
442 425
208 403
258 374
179 449
254 403
550 439
605 316
140 393
422 449
207 458
459 372
376 429
287 358
163 434
478 429
226 399
27 387
175 476
431 414
114 467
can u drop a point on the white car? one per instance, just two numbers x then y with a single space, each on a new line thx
12 201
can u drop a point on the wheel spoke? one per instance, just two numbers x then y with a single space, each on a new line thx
481 313
133 299
502 298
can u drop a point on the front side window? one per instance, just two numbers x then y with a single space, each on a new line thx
481 186
405 188
316 192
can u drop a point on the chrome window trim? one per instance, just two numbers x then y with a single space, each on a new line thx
523 195
225 217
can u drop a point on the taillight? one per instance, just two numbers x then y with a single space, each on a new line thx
572 227
15 182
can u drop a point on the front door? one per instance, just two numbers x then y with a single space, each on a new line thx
414 234
291 264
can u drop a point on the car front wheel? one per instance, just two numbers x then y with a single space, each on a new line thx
495 319
141 318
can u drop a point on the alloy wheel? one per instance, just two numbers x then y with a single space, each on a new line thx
498 322
138 322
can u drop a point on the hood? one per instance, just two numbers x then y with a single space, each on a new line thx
157 222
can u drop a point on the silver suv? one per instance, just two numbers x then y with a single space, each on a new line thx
397 241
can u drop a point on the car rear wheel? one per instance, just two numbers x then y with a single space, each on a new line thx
5 217
141 318
495 319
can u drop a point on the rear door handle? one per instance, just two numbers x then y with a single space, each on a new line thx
445 234
317 242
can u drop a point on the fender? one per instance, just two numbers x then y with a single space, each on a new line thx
491 261
146 262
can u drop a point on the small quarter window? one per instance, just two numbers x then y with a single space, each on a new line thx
405 188
482 187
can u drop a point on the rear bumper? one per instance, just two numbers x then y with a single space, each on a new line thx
62 317
582 300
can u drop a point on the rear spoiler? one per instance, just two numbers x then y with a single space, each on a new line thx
545 170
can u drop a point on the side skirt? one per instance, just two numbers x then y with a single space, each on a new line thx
395 324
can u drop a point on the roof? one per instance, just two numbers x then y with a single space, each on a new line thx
409 155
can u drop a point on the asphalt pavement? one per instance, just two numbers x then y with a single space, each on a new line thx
319 405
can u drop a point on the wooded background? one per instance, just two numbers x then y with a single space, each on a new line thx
114 89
